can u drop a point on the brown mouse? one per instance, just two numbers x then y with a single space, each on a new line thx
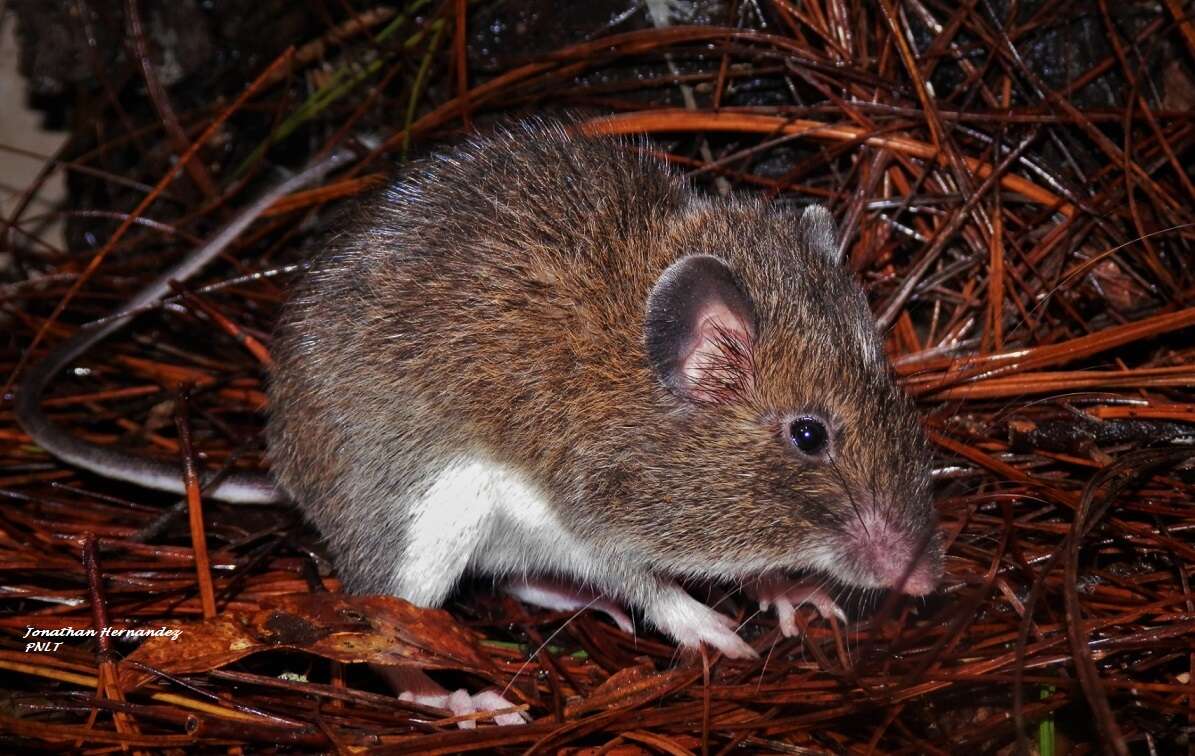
551 361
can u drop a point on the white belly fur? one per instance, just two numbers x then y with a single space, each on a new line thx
489 519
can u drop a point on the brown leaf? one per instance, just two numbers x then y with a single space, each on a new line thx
375 629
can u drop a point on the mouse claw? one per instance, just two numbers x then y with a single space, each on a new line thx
785 596
717 631
731 645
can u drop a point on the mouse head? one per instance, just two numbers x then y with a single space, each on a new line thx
789 442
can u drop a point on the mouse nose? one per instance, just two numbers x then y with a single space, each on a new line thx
911 565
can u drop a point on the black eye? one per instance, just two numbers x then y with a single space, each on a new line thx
809 435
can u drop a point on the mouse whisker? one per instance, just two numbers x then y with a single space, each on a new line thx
747 619
763 669
549 639
847 488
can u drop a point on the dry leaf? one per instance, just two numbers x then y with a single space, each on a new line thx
376 629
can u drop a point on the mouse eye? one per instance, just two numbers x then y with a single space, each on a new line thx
809 435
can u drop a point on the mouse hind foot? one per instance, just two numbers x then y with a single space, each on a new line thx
666 605
415 686
561 597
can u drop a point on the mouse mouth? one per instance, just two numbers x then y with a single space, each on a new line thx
875 554
868 553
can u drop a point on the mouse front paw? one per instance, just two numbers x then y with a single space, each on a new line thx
785 595
692 624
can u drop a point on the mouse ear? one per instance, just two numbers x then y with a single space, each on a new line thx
817 231
700 330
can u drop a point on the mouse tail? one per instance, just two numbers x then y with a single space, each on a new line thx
241 488
244 488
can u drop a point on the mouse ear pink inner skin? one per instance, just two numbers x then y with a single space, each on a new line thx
700 330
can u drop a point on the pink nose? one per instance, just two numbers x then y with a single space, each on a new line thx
918 579
895 561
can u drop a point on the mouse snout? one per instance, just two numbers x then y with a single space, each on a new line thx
887 557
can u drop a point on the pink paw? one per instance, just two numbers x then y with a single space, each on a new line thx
786 594
563 598
415 686
461 703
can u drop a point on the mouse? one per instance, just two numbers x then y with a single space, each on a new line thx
550 361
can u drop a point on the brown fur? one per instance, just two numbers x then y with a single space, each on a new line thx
492 299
